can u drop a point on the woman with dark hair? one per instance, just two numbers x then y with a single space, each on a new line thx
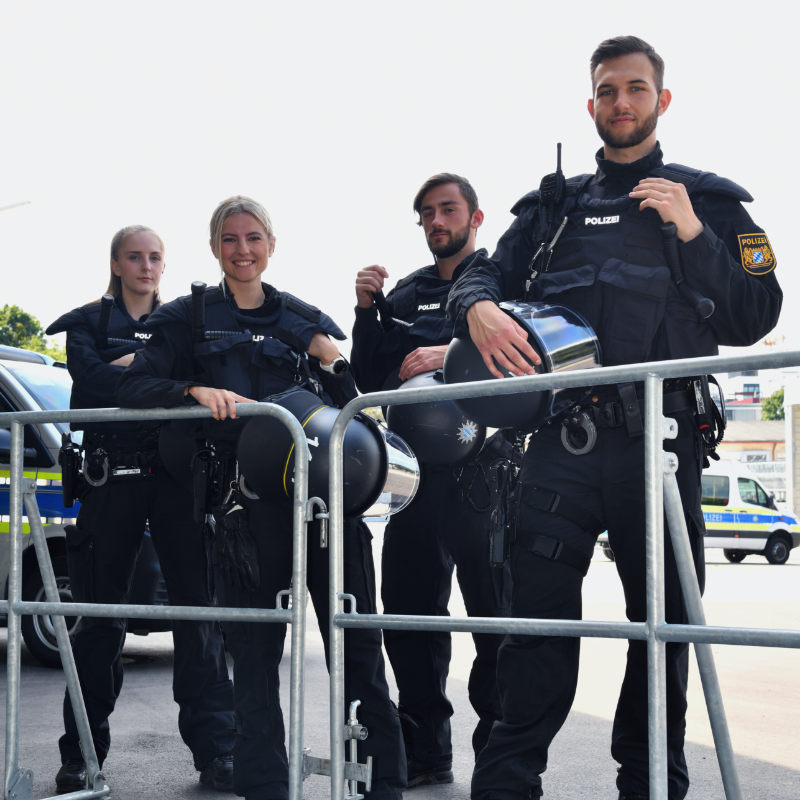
276 342
122 490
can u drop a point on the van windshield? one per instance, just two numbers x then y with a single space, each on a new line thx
50 387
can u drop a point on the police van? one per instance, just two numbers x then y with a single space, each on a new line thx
32 381
741 517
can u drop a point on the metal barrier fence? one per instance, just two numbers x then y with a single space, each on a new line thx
19 781
662 495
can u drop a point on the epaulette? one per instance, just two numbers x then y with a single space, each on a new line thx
698 182
573 184
300 307
71 319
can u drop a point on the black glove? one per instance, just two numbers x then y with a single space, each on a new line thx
235 551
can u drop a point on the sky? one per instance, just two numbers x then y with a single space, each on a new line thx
333 114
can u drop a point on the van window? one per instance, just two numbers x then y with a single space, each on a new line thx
751 492
716 490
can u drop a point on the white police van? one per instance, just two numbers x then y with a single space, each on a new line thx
33 382
741 517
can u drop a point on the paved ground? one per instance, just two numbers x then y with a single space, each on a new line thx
760 687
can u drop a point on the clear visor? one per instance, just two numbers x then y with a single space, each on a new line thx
402 477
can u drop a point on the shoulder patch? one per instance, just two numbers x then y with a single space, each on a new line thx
756 251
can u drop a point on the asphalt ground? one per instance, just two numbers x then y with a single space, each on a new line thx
760 688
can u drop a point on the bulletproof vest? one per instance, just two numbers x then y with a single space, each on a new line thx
609 266
261 360
424 305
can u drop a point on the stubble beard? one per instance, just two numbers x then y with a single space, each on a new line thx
622 141
453 245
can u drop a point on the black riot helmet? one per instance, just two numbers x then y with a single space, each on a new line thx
562 339
266 455
439 432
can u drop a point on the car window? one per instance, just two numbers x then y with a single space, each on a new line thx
716 490
50 387
751 492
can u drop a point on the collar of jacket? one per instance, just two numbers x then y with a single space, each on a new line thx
432 271
271 295
627 174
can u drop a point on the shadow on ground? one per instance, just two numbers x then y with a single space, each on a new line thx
148 759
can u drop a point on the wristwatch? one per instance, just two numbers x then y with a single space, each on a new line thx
336 367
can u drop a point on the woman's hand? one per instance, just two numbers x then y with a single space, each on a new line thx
220 401
323 348
122 361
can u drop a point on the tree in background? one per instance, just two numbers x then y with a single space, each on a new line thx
772 407
18 328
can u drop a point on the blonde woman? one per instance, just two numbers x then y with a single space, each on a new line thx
124 490
259 359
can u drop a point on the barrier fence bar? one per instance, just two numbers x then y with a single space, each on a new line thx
18 782
656 631
693 603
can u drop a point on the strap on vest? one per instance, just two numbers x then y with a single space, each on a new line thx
553 503
404 297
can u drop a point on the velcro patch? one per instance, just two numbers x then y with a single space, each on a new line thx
757 255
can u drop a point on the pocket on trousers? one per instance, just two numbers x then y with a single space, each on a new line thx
80 546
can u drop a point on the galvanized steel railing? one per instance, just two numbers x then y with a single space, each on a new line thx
661 494
19 781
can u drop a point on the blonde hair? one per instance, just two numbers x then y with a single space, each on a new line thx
239 204
115 283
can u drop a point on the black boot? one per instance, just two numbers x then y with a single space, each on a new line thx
72 776
421 773
219 773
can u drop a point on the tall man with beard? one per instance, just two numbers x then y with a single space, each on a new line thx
447 523
615 275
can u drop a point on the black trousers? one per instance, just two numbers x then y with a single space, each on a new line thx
537 675
260 760
101 552
422 544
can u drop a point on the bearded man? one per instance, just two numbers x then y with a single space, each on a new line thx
447 523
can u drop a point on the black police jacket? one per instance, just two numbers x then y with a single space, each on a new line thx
94 378
420 299
257 360
609 265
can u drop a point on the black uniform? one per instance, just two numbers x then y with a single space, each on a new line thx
446 525
283 327
102 550
609 266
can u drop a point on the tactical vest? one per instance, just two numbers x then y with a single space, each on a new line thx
609 266
425 308
262 359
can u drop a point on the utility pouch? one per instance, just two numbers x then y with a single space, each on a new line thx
235 552
201 470
505 497
70 461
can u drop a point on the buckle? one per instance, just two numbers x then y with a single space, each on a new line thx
547 546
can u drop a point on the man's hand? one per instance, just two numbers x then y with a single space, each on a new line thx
496 334
671 200
122 361
323 348
368 283
423 359
220 401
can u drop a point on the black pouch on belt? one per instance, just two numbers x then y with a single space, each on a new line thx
235 550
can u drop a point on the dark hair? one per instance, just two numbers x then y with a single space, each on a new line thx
464 186
626 46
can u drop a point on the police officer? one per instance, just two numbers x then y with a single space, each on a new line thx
446 525
608 264
129 489
271 332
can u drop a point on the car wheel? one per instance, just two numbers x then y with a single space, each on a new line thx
735 556
777 550
39 632
608 553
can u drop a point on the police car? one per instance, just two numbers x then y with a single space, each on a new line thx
741 517
33 382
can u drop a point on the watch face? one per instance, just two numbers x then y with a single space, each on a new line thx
339 365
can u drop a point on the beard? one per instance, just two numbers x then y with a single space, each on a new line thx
448 248
621 141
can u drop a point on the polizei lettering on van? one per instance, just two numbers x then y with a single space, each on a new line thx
602 220
429 307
